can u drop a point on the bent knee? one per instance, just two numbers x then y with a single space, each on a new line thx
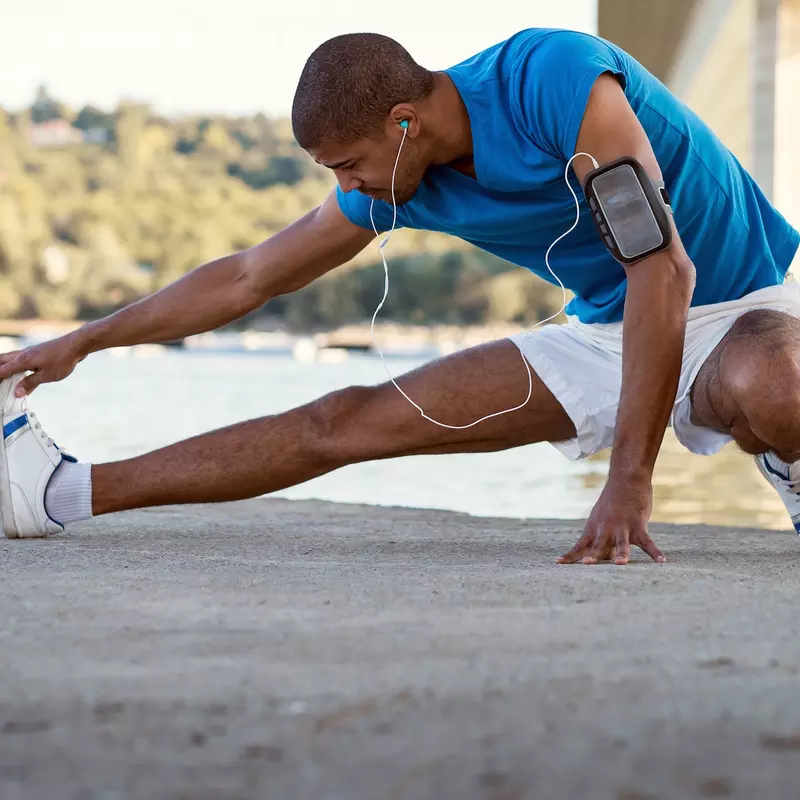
764 382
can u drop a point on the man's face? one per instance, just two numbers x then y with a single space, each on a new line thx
366 165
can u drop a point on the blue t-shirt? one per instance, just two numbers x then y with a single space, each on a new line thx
526 99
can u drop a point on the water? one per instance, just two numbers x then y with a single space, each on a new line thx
114 407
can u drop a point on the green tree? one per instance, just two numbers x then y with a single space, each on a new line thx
85 229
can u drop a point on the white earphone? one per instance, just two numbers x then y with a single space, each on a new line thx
385 240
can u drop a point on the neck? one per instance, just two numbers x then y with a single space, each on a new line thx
447 122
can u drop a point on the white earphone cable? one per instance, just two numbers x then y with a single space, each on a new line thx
383 244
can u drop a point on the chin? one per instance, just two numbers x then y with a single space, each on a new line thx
402 198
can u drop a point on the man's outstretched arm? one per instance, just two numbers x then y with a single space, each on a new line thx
206 298
657 301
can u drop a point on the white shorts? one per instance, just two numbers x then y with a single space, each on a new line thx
582 366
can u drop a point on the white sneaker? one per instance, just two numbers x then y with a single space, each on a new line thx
786 480
28 459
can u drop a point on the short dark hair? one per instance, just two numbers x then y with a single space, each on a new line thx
350 84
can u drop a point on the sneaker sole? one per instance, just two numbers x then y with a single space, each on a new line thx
6 506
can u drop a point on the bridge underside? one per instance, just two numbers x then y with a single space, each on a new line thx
650 32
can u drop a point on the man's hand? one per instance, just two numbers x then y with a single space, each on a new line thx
49 362
618 520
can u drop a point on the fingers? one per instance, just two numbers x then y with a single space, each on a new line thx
27 385
623 548
603 542
610 544
644 541
16 363
9 364
579 551
595 548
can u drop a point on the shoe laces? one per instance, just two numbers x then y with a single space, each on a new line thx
36 427
792 484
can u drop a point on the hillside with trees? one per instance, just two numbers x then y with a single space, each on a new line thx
99 208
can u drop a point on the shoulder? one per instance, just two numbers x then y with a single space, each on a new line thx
555 51
552 79
498 60
538 62
544 45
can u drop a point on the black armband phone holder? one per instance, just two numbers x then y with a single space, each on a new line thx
633 215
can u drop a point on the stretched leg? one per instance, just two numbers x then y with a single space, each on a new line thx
750 385
355 424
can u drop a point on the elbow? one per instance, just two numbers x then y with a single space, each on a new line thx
678 281
675 270
665 277
249 289
682 273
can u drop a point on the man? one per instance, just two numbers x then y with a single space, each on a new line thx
703 334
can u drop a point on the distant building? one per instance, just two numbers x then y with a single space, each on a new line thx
734 62
53 133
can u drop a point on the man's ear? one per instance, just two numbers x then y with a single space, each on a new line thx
404 117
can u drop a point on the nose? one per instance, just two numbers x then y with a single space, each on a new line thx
347 182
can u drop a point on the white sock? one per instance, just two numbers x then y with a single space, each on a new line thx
68 497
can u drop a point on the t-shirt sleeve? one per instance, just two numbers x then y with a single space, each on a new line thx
355 206
555 79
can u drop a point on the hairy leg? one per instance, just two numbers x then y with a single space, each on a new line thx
750 385
348 426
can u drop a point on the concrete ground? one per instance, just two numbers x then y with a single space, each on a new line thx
277 649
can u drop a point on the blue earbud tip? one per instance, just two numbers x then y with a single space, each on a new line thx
404 123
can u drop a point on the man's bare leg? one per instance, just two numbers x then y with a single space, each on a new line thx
348 426
749 387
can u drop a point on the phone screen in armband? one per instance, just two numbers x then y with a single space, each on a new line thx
631 214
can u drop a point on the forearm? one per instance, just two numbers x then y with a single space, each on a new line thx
656 305
231 287
209 297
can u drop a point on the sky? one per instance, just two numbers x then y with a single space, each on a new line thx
232 56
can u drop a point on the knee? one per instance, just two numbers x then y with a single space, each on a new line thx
337 417
765 386
764 382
